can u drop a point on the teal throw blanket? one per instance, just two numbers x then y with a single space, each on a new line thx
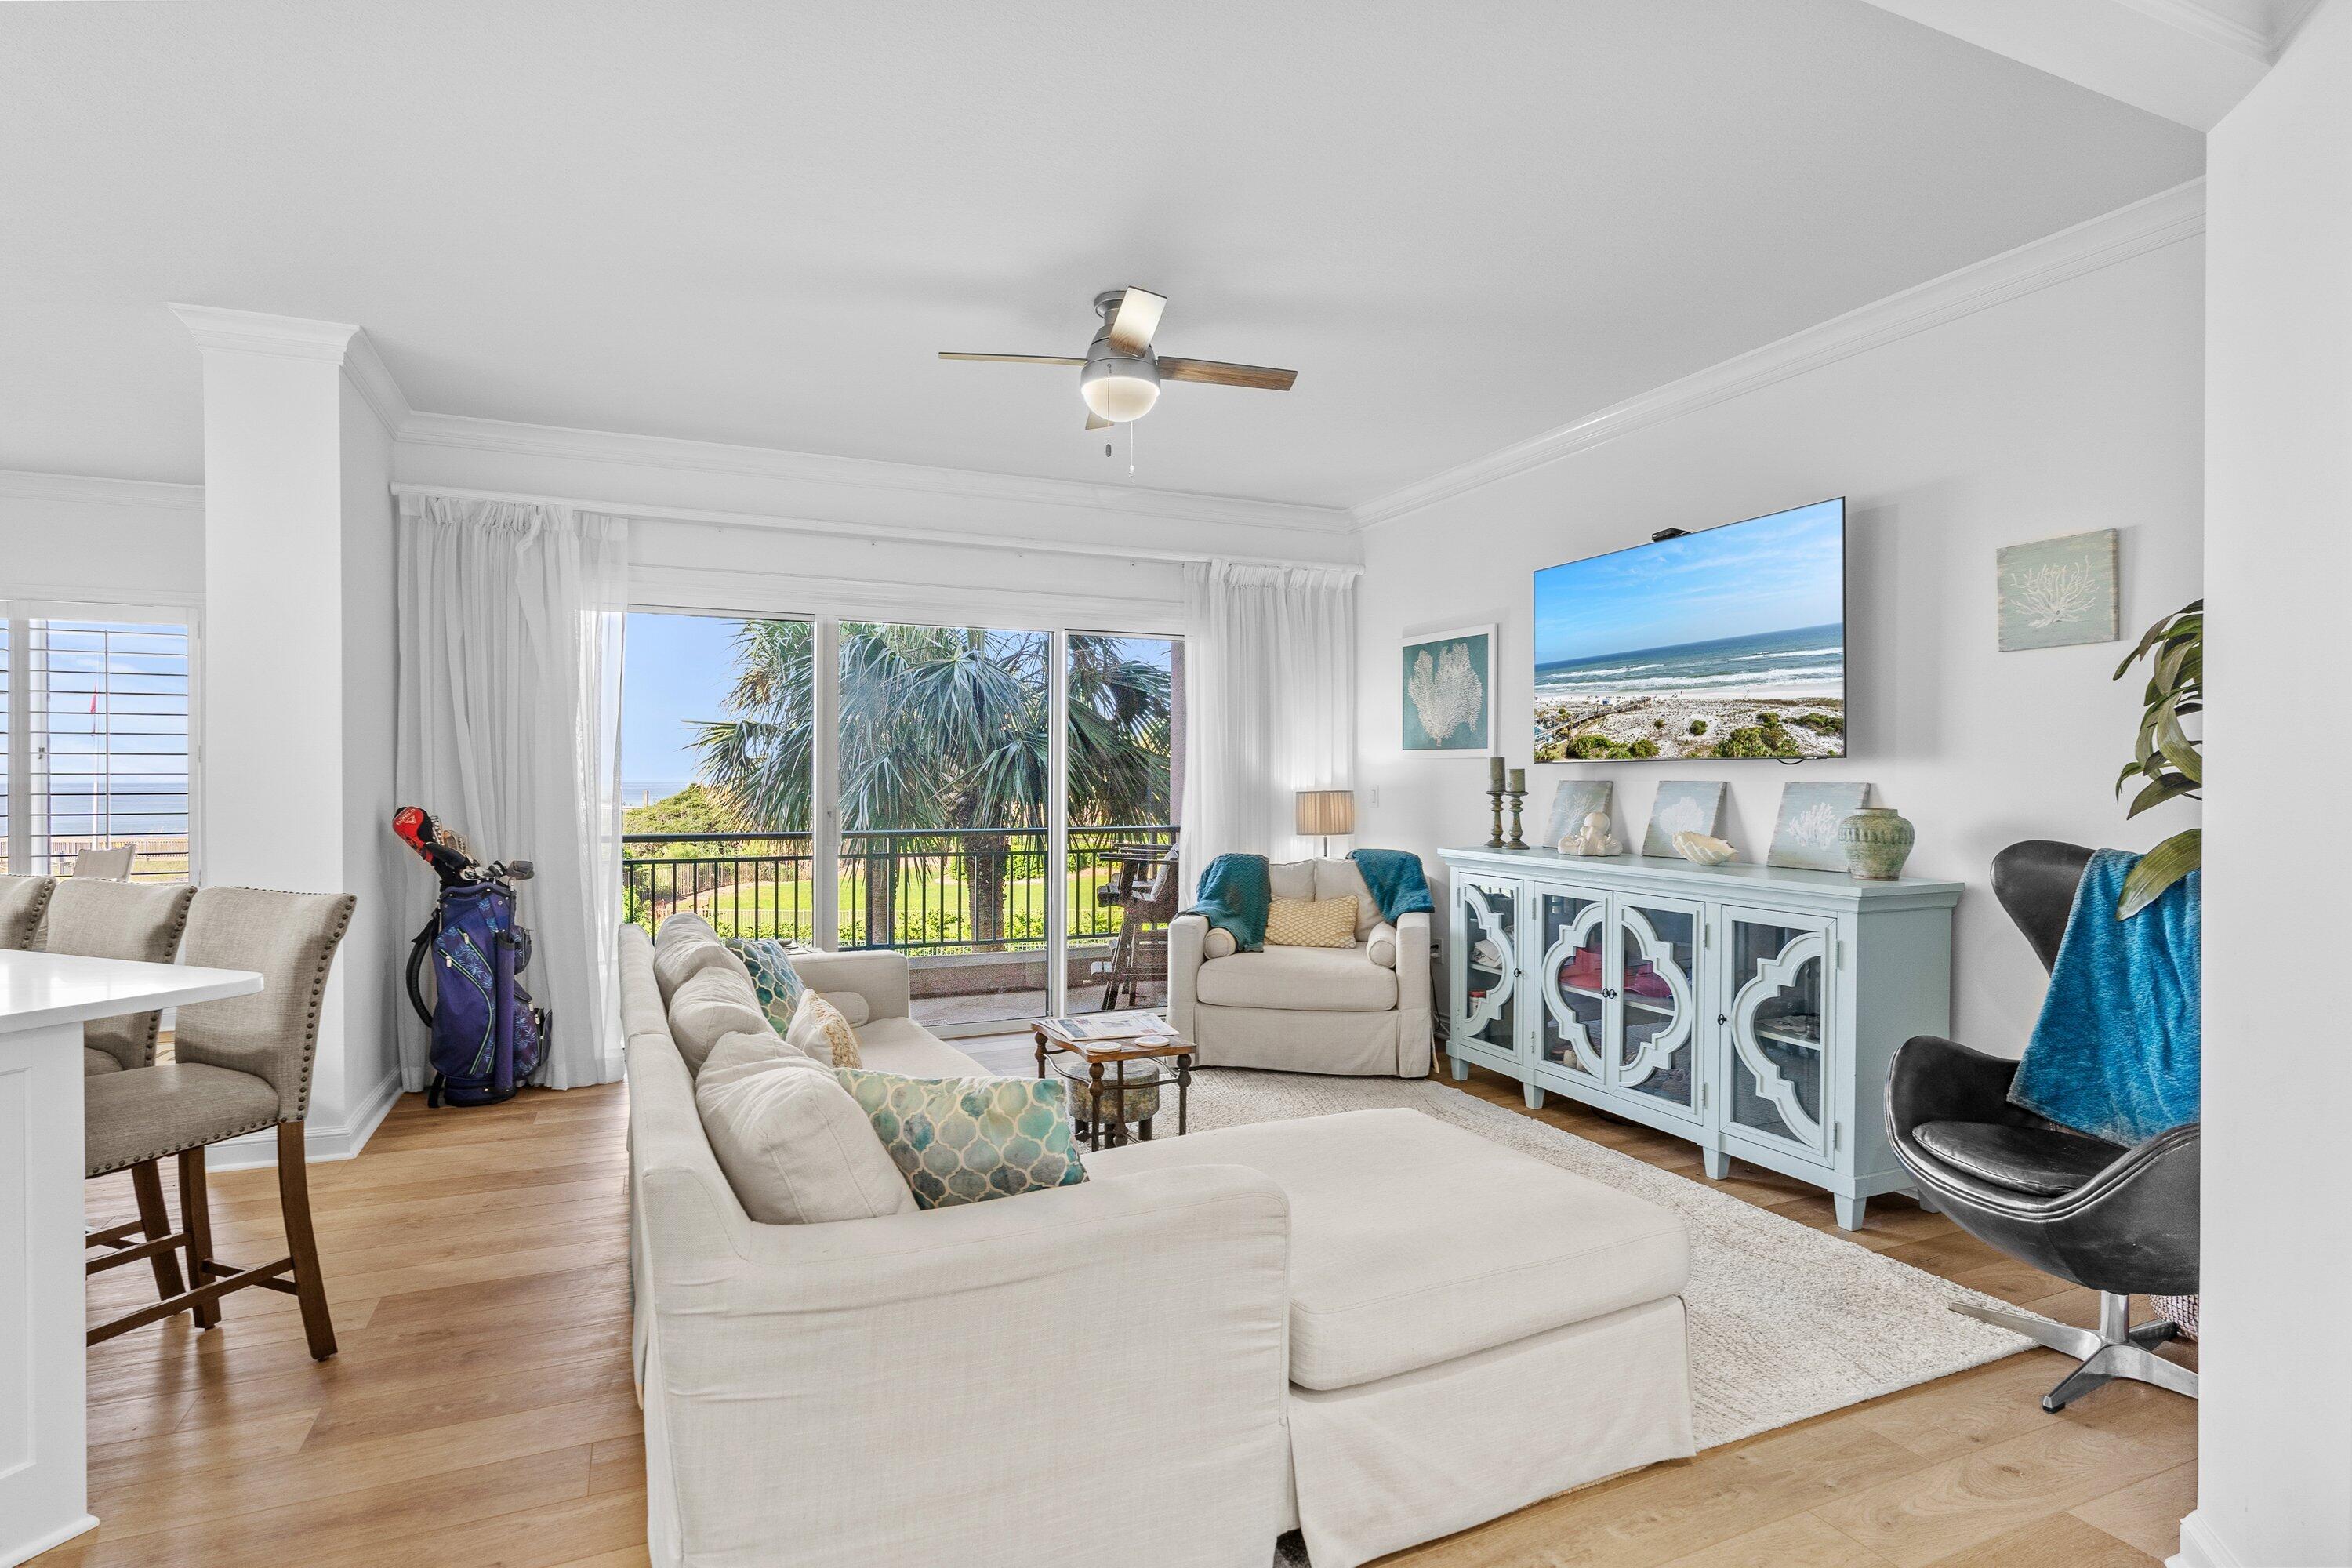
1236 892
2116 1052
1395 877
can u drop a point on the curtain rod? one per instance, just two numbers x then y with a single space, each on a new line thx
713 518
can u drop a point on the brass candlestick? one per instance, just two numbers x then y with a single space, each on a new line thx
1518 797
1494 839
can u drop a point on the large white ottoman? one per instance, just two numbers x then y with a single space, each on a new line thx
1471 1330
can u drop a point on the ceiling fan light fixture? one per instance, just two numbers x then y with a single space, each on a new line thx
1120 389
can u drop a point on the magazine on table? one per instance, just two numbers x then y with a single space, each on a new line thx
1101 1028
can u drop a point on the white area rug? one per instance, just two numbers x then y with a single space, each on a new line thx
1785 1321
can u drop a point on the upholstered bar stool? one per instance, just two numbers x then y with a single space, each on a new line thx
240 1065
117 919
23 902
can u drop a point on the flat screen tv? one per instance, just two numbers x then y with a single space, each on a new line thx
1720 644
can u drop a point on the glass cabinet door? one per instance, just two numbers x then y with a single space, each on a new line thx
1573 974
1657 995
1485 965
1777 973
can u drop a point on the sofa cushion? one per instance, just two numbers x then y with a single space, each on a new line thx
1311 923
686 947
850 1004
968 1139
774 981
1298 980
708 1003
1413 1242
1290 879
794 1146
819 1030
1342 879
903 1046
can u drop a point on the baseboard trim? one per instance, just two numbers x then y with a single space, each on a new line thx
322 1141
2201 1548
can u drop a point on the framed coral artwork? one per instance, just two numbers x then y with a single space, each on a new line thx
2057 592
1448 686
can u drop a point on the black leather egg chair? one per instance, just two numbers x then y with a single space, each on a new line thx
2119 1221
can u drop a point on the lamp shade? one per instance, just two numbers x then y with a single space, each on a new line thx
1327 813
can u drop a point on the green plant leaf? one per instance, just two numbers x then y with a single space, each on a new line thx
2171 786
2158 869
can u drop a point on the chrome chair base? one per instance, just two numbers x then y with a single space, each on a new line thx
2114 1349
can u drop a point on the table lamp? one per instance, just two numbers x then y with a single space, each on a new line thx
1325 813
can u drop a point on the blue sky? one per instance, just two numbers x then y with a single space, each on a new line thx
1767 574
675 669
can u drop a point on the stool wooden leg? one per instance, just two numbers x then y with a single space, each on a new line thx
294 1199
155 1223
196 1219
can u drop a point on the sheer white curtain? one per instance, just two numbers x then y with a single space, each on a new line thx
1270 702
511 621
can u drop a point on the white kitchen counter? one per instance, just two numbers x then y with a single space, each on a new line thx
45 999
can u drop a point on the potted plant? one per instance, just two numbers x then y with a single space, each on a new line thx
2164 756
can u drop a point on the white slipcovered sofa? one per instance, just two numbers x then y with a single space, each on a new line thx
1363 1009
1375 1327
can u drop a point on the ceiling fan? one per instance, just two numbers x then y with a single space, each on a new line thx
1122 376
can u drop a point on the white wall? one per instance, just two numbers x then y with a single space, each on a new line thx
869 539
2276 1428
111 540
374 862
2075 407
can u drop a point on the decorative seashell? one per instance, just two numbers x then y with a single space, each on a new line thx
1702 849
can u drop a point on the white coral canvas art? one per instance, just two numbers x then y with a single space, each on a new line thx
1805 834
1683 806
1449 691
2058 592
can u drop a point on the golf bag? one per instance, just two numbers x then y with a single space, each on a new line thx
488 1038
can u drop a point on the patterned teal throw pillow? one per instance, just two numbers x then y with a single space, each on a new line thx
968 1140
771 964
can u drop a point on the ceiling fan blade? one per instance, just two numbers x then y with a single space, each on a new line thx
1096 421
1217 373
1137 318
1016 359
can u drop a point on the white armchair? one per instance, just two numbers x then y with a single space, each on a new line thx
1362 1009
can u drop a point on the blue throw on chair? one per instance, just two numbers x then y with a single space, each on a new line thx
2115 1051
1236 894
1395 877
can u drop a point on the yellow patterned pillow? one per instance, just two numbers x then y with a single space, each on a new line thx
819 1029
1311 923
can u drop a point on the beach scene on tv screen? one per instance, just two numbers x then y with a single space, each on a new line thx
1724 644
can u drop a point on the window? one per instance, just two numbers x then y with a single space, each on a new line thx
96 713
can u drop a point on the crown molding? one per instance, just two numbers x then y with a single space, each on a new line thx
2165 218
862 473
81 489
298 337
2215 26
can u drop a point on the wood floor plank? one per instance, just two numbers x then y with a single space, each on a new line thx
2148 1514
477 1265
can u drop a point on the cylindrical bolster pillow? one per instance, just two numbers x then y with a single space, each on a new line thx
1381 947
1218 944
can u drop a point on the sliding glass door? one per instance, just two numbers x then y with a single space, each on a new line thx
988 802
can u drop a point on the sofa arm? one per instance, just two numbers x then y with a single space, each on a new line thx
1185 935
823 1374
878 975
1416 1029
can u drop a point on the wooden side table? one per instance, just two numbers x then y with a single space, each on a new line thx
1105 1092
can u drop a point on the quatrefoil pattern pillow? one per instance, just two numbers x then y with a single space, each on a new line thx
968 1139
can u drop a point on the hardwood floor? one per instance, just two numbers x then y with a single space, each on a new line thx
480 1413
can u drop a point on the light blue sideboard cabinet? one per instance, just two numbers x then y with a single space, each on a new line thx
1750 1009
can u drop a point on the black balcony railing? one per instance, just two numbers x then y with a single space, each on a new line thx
920 891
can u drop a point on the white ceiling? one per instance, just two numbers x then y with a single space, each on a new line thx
756 222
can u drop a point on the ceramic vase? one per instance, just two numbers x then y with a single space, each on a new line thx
1877 839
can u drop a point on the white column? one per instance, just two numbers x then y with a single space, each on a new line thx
44 1495
298 668
2274 1430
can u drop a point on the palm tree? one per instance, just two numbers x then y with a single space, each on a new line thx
941 728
